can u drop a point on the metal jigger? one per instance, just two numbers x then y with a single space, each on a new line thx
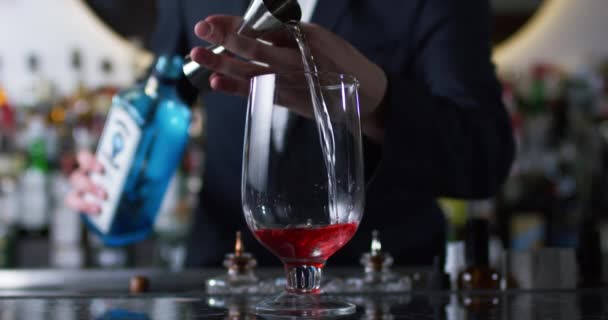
261 16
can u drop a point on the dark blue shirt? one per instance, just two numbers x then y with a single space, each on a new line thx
446 130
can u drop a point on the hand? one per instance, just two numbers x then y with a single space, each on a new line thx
82 184
331 53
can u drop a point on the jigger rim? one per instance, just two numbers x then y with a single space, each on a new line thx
294 16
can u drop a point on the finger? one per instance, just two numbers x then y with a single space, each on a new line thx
220 82
225 22
88 162
75 201
220 30
226 65
82 183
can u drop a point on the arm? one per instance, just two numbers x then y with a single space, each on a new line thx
442 126
446 131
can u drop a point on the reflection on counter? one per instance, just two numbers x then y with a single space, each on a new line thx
440 306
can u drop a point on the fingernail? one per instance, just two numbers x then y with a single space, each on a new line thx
204 29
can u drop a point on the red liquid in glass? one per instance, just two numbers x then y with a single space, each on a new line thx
312 245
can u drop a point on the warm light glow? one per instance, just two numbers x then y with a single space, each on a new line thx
57 115
238 246
541 14
376 245
3 98
569 34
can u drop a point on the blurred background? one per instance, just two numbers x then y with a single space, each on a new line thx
64 60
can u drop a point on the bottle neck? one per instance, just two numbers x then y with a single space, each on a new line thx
477 240
155 87
477 256
156 83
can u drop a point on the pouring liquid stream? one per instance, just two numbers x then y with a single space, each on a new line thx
322 118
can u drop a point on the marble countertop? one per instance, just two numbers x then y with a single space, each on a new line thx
96 294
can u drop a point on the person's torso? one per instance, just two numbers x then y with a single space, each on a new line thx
409 223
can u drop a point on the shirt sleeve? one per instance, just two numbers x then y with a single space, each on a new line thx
447 132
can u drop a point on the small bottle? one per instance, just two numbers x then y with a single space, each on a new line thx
478 275
376 262
240 277
141 146
377 276
40 91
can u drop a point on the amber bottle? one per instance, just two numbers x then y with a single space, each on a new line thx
478 275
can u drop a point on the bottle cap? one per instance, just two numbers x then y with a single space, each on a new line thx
169 66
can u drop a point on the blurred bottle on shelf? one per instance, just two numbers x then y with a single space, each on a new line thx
108 89
171 227
102 97
174 218
66 230
534 200
80 101
34 200
10 167
34 204
9 203
40 92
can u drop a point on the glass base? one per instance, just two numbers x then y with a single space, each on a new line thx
302 305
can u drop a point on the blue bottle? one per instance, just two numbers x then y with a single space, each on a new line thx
141 146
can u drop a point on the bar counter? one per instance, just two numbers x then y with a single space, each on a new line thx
91 294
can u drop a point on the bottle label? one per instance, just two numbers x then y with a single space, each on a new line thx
116 151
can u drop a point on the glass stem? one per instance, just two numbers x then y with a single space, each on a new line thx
303 279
